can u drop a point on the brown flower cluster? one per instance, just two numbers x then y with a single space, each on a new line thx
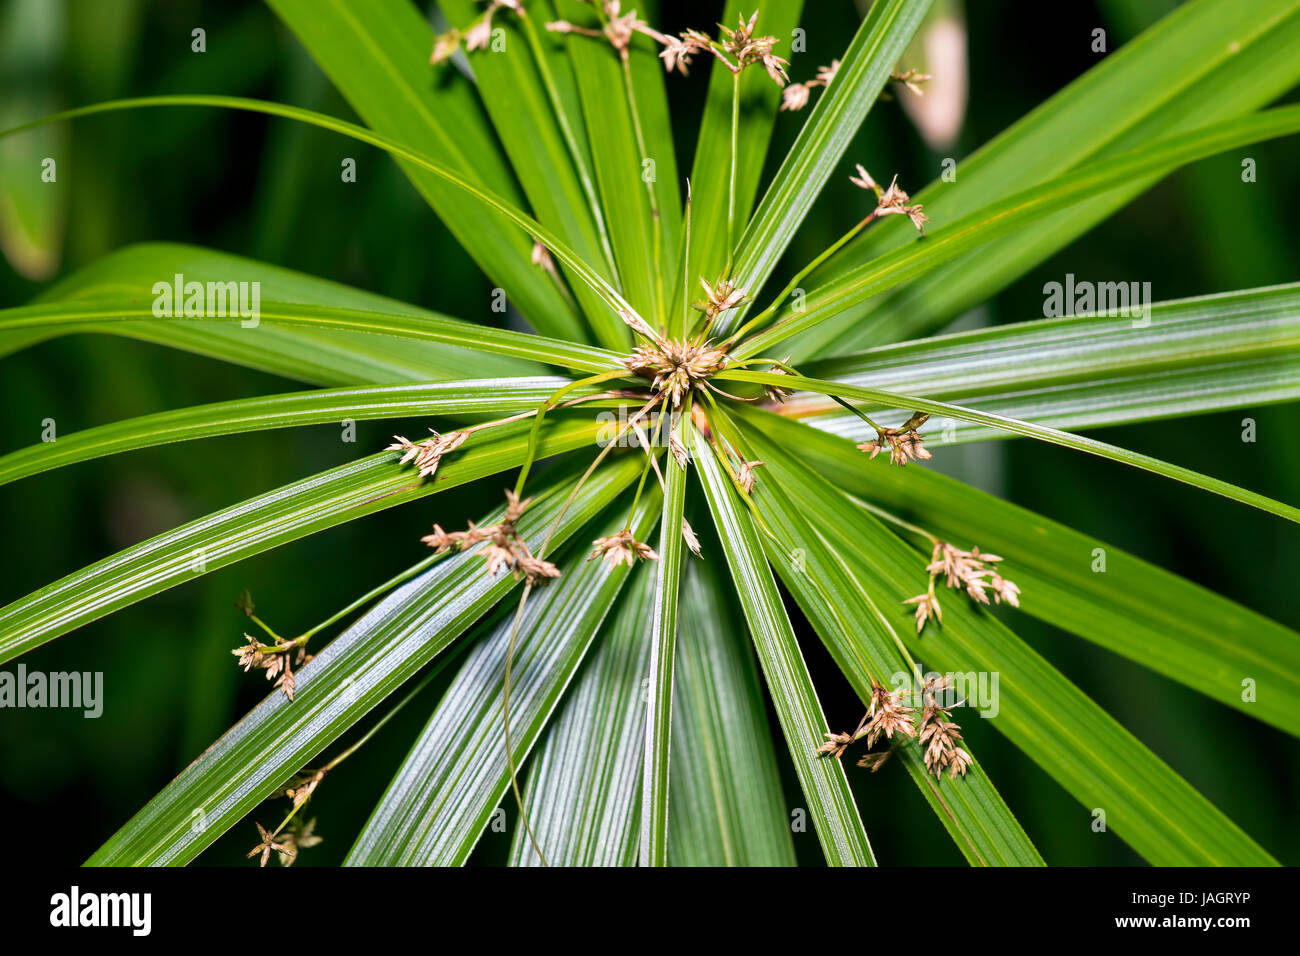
476 37
427 454
736 49
886 716
285 844
675 367
939 735
303 786
619 27
622 548
778 393
892 201
912 79
721 297
904 442
927 606
796 95
973 570
749 49
505 548
278 660
745 477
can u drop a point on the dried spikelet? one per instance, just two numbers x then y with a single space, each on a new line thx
622 548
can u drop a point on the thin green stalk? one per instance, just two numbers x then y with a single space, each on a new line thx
857 411
794 283
895 520
571 141
731 178
655 214
546 542
414 692
373 593
535 433
684 275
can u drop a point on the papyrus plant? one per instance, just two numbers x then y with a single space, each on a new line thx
692 424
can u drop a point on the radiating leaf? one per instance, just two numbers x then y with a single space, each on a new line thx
1005 216
1187 356
711 170
864 70
443 795
224 537
830 801
1158 619
584 784
655 794
863 640
1207 62
515 97
127 277
1054 436
346 680
727 805
476 398
377 53
1085 750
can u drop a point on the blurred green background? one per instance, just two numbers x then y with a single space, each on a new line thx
270 190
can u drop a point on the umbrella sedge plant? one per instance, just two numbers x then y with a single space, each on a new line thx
702 435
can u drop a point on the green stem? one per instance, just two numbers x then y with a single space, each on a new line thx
794 283
571 141
684 278
414 692
262 624
857 411
895 520
546 542
655 214
535 433
731 181
370 595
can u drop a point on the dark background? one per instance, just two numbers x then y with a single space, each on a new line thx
269 189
